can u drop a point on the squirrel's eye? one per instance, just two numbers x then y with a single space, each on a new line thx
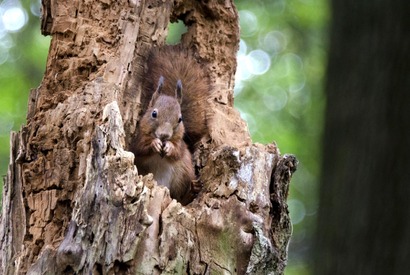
180 119
154 114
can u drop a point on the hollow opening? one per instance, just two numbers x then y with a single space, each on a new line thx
175 32
195 79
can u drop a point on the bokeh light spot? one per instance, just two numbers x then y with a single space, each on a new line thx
248 23
259 61
275 99
243 48
242 71
35 7
6 42
14 19
274 42
297 210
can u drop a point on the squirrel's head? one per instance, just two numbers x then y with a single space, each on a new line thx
164 113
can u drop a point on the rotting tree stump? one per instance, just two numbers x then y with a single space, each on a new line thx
73 200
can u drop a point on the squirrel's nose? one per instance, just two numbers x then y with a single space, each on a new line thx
164 132
164 136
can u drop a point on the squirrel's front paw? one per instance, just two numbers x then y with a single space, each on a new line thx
168 148
157 145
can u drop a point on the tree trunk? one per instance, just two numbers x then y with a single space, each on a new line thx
73 200
364 213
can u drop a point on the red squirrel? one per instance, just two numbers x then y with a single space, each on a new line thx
174 103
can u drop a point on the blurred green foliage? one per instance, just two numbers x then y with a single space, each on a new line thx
278 91
23 56
286 103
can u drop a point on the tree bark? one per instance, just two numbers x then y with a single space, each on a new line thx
364 215
73 200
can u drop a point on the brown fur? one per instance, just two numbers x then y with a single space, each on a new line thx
174 169
159 146
175 63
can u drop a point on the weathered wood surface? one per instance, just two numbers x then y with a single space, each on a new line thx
73 199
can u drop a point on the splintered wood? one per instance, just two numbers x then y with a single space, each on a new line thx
73 201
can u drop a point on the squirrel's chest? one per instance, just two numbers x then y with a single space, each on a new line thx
162 169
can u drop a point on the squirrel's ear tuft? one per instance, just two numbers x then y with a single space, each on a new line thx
178 92
160 84
157 92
